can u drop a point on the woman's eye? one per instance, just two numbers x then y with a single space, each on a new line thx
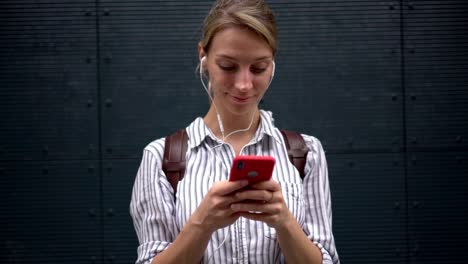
257 70
227 68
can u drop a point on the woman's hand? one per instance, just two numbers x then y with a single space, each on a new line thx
266 204
215 211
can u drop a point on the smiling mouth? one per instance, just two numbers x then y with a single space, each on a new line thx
241 99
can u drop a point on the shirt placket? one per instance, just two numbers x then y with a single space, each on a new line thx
243 243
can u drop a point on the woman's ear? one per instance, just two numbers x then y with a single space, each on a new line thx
202 58
201 52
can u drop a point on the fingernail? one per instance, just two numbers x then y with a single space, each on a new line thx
235 207
244 182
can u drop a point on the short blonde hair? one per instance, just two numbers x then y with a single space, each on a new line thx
255 15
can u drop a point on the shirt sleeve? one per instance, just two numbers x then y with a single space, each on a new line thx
317 201
152 206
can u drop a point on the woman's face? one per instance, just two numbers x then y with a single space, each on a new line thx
240 64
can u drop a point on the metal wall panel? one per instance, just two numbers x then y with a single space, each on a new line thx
49 190
436 74
436 67
49 212
48 72
120 241
369 207
87 84
149 85
437 199
338 73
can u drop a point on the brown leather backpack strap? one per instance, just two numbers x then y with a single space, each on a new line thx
173 165
297 150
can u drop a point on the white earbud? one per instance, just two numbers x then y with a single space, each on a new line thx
273 70
207 89
202 60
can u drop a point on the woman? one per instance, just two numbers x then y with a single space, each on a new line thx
210 219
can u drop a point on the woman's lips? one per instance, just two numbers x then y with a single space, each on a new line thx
241 99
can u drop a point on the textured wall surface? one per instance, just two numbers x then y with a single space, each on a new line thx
85 85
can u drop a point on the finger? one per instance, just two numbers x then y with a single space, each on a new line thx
256 216
226 187
258 195
270 185
267 208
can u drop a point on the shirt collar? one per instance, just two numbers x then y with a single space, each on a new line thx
267 126
198 131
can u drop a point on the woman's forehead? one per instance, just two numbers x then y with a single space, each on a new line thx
236 41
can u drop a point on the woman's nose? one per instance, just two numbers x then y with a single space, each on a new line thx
244 80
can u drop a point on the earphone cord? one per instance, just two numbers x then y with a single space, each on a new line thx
220 121
218 247
221 128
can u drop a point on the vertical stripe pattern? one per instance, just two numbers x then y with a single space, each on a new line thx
158 218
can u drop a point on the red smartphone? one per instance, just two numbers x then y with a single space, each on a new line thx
252 168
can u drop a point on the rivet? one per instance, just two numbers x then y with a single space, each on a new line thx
109 150
394 97
107 58
395 163
350 141
410 6
90 148
459 139
413 159
89 60
391 7
351 164
110 212
45 150
396 205
108 102
91 169
413 97
397 252
412 51
416 250
415 204
111 259
88 12
93 260
92 212
414 140
45 171
106 12
109 169
89 103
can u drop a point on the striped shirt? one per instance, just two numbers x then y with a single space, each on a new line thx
158 217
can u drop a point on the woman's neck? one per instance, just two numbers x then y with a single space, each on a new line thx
232 123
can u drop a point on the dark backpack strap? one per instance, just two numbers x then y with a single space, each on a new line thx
175 148
297 150
173 165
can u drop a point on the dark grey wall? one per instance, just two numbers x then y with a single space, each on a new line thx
85 85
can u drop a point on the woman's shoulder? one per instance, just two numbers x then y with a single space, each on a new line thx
313 144
155 148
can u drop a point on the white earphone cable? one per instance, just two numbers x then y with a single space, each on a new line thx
221 128
220 121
